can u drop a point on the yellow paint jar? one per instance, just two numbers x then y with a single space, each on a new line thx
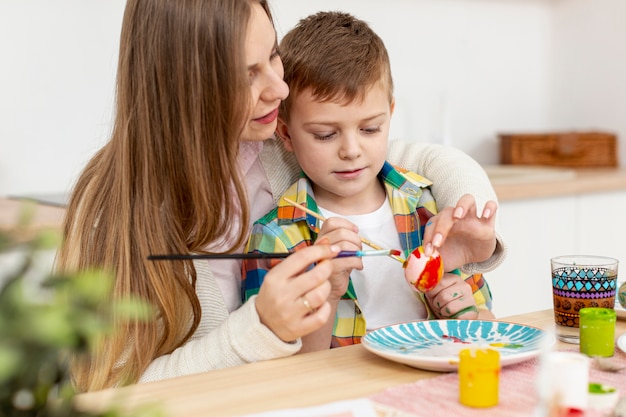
479 376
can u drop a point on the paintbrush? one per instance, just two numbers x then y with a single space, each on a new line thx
393 253
259 255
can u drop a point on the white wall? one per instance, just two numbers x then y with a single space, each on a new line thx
464 70
56 89
589 74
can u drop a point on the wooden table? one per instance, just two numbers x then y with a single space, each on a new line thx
297 381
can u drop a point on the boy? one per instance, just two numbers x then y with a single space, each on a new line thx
336 121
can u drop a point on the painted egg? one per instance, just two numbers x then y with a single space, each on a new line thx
423 272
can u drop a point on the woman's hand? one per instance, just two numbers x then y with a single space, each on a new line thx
293 299
343 234
460 235
452 298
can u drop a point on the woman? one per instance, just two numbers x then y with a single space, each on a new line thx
196 98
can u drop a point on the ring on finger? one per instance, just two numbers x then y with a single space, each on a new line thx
307 304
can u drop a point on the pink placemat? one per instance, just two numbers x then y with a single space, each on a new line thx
517 393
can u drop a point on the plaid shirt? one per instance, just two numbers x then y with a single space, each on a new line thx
287 229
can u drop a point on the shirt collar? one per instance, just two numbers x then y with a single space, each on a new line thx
248 152
302 193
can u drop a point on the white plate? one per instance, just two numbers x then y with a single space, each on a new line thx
621 342
434 345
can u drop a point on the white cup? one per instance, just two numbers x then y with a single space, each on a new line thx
564 380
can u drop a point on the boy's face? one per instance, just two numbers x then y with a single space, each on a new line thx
341 148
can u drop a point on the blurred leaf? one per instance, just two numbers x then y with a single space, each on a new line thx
47 239
10 361
45 316
133 308
51 327
26 213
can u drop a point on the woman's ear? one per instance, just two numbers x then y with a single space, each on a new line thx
282 131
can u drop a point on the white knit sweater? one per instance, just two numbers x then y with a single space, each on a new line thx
224 339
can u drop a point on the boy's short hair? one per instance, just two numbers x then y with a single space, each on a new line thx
337 56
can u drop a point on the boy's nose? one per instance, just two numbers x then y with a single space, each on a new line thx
350 148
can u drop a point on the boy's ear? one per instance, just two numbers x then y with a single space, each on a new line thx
392 106
282 131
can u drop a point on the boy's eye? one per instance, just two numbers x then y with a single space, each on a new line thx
324 136
372 130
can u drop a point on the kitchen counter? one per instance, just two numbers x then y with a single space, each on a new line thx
511 182
548 212
42 216
514 182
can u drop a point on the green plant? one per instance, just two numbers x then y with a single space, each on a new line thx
45 317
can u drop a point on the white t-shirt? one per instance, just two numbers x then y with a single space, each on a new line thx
384 295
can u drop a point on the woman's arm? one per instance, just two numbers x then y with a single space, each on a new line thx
268 326
222 340
454 174
240 339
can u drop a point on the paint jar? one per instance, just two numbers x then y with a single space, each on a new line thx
602 397
479 376
597 331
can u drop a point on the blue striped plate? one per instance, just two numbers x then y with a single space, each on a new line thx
434 345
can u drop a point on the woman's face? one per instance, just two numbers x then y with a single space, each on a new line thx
265 72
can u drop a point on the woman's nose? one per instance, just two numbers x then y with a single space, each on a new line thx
275 87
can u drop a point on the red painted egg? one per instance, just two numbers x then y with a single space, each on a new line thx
423 272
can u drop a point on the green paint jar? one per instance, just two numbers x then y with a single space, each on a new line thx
597 331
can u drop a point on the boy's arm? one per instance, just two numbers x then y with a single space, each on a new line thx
482 294
451 298
253 271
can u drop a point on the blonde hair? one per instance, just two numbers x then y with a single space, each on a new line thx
336 56
167 181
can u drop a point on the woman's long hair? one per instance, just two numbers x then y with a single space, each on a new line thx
167 181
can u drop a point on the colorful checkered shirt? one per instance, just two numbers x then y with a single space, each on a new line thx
287 229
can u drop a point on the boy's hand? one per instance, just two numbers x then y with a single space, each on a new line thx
452 299
293 299
344 234
460 235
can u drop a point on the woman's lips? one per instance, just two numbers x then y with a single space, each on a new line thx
268 118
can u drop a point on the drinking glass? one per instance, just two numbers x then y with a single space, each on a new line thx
580 281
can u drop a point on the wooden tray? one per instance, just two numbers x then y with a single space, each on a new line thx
565 149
